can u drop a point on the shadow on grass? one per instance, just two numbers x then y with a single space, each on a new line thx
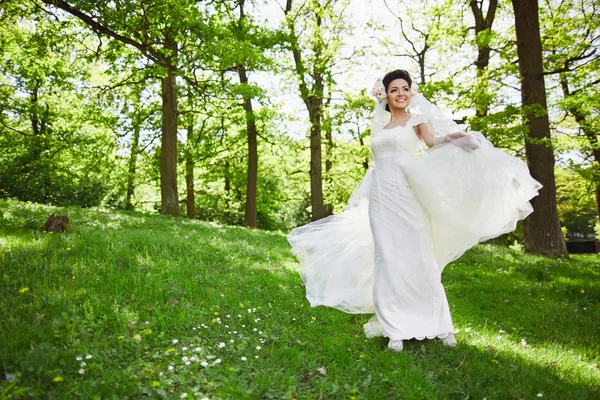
546 301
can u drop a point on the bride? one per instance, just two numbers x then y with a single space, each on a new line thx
412 214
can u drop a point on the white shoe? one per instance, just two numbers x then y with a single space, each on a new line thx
395 345
449 340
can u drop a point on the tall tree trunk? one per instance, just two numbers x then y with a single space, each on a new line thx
313 99
190 200
135 149
168 155
328 208
315 112
250 219
542 228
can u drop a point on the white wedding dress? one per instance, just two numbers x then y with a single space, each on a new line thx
412 214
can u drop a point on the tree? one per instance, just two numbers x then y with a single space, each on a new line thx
542 229
153 28
572 44
56 144
483 32
314 54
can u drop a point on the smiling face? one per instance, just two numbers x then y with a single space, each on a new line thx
398 94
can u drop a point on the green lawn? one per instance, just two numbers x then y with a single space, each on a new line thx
163 308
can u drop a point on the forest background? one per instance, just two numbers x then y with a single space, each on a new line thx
257 113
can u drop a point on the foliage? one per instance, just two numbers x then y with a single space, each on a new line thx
72 96
576 205
55 140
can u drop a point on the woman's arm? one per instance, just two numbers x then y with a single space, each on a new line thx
425 133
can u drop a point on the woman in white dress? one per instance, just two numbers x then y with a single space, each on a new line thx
409 217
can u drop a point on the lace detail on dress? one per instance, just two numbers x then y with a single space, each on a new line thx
416 119
400 143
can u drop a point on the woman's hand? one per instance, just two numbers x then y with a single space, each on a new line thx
460 139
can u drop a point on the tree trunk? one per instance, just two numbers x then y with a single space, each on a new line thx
168 155
315 111
190 200
250 219
542 228
328 208
135 149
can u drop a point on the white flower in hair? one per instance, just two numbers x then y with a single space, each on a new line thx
378 90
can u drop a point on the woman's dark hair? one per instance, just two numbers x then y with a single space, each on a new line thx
393 75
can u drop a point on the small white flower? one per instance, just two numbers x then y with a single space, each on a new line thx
244 358
88 356
217 361
171 368
260 332
255 356
222 295
204 364
239 316
175 341
228 316
83 364
540 395
234 331
258 347
81 371
226 326
184 359
523 342
249 310
230 340
501 331
147 323
183 395
188 363
255 329
184 348
194 328
243 326
78 358
221 345
197 349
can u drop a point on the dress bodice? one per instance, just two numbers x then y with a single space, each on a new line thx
400 143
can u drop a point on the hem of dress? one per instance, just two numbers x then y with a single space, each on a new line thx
436 336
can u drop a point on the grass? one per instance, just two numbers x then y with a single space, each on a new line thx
167 308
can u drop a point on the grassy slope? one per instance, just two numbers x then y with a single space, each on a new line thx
528 325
